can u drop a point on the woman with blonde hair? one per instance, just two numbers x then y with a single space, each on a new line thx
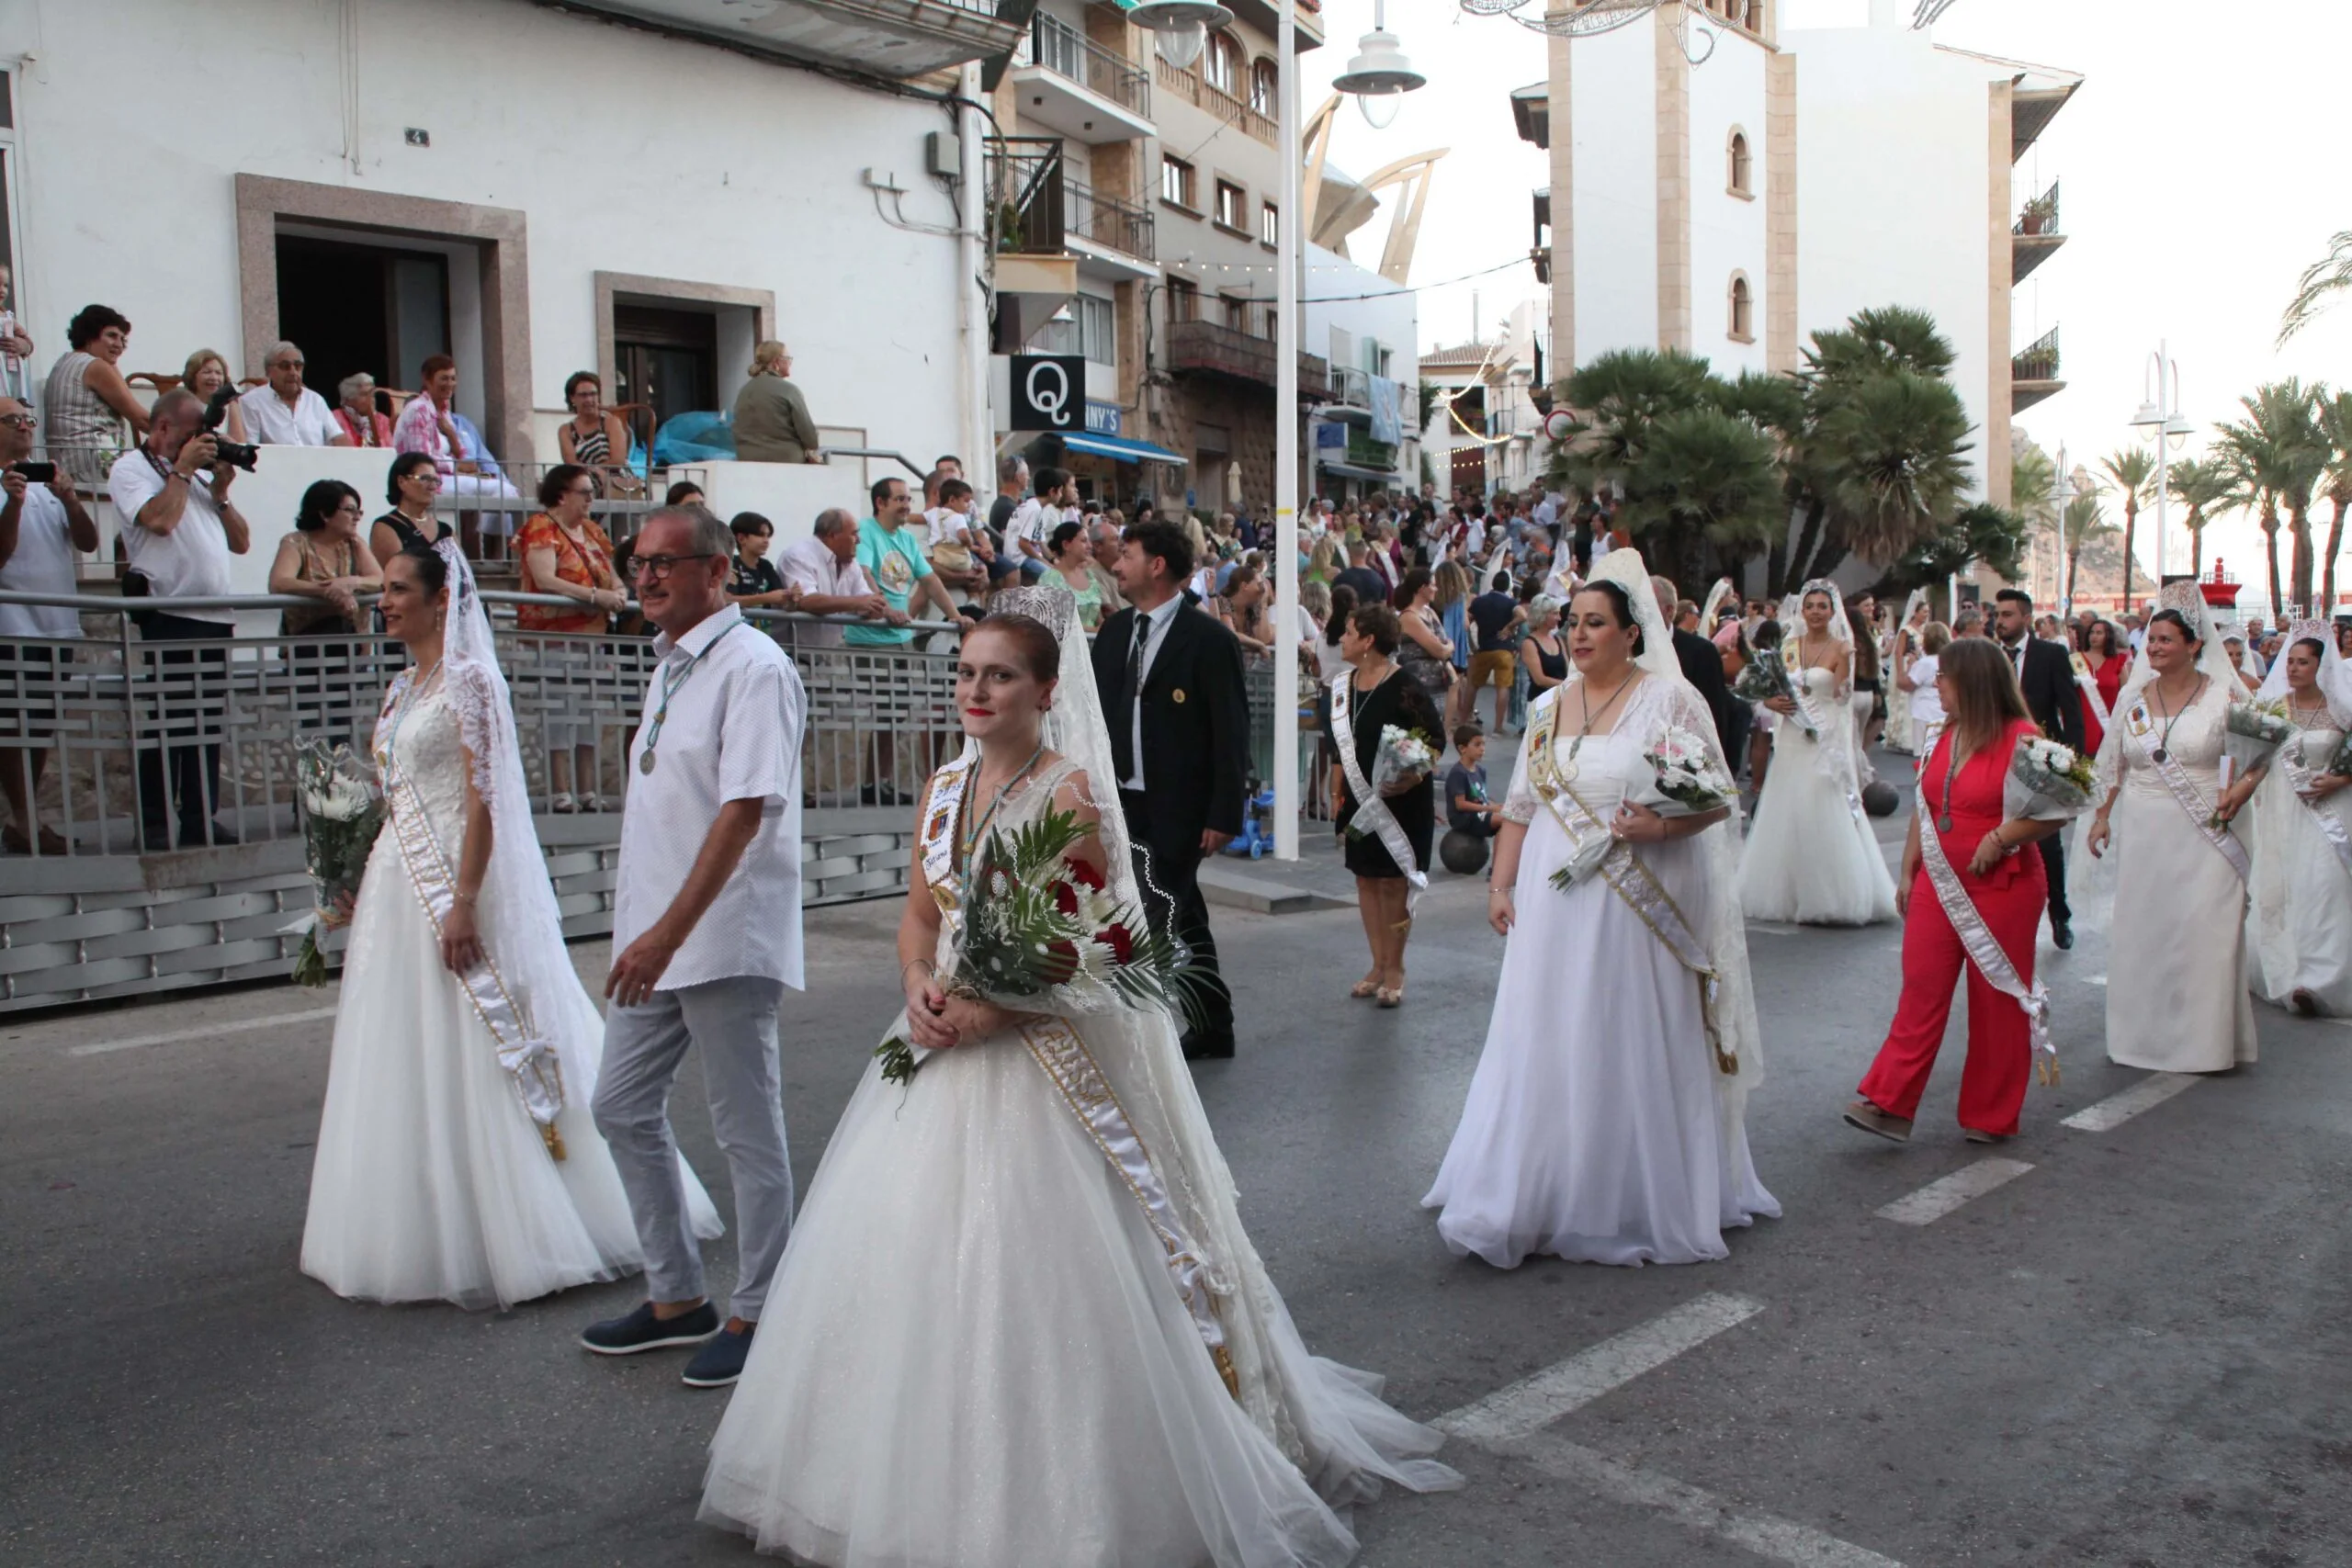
206 373
1452 604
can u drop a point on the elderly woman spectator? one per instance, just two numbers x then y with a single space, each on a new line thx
282 411
206 373
357 417
565 554
86 403
771 419
594 436
411 486
325 558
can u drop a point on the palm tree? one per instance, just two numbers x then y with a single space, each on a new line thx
2080 524
2279 455
1896 445
2033 492
1617 397
2336 429
2324 279
1706 479
2133 472
2204 485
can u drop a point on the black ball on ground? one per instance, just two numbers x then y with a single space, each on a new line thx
1465 854
1880 798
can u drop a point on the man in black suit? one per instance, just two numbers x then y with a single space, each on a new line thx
2046 675
1169 677
1702 664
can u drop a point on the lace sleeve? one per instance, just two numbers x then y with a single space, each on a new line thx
485 723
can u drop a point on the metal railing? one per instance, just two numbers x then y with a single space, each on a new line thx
2038 361
1066 51
1025 178
1190 87
2041 215
1107 220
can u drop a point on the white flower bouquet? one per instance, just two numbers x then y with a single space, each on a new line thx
1685 781
342 809
1402 753
2047 781
2255 731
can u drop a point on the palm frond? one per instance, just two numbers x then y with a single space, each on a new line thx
2321 282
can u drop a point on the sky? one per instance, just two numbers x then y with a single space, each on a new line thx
2200 171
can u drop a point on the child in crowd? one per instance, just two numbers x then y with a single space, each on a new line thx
1467 806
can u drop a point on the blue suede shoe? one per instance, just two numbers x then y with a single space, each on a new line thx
721 1360
640 1330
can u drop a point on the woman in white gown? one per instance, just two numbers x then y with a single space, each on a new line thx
2301 929
1606 1121
2176 970
1812 858
456 1160
1019 1323
1903 646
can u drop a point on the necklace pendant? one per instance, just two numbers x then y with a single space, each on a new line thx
1943 823
645 761
2161 754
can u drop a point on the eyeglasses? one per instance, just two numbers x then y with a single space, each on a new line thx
654 568
19 421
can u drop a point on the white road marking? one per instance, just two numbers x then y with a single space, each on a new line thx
1536 1401
202 1031
2145 1095
1775 1539
1936 1199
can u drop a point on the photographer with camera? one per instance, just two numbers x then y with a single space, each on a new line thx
179 530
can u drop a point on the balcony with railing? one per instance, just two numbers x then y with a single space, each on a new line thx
1113 238
902 39
2036 236
1066 82
1211 348
2033 372
1029 230
1190 87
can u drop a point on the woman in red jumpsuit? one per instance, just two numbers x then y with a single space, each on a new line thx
1962 782
2109 658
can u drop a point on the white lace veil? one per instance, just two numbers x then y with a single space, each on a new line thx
1724 925
1328 1433
2335 675
1840 751
1722 591
2212 661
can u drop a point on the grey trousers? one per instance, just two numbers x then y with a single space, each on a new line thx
734 1022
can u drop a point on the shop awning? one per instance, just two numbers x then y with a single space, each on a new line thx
1120 449
1371 476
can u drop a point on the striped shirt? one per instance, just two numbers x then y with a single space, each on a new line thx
83 434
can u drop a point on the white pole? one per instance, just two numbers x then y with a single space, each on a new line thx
2164 417
1286 335
978 442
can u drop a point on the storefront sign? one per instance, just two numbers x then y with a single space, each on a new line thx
1049 391
1101 419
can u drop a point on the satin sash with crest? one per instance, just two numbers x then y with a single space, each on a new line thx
1984 950
526 1057
1372 811
1062 1052
1625 872
2089 684
2139 725
2300 777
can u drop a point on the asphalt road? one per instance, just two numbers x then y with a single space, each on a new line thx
2131 1353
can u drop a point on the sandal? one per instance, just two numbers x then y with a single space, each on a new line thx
1871 1119
1391 998
1364 989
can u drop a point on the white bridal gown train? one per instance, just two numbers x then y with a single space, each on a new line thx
431 1180
1812 858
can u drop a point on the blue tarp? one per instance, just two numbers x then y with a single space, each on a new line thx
698 437
1387 422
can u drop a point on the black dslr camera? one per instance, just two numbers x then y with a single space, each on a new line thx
239 453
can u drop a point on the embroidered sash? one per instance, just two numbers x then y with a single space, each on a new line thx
2096 704
1060 1049
1983 950
526 1057
2138 725
1371 810
1623 870
2299 776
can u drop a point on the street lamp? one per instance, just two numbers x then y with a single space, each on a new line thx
1379 76
2161 422
1181 26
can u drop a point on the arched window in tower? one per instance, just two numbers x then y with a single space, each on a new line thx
1222 65
1265 89
1743 164
1743 308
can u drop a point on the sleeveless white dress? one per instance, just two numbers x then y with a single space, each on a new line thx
1811 856
974 1356
1596 1128
431 1180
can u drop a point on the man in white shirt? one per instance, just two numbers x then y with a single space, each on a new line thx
284 413
179 528
824 568
1035 520
707 931
42 524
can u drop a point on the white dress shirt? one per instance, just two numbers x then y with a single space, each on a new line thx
44 563
193 559
1159 620
810 566
733 733
309 422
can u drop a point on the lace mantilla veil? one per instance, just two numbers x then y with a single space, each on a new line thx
1724 925
1342 1439
2335 674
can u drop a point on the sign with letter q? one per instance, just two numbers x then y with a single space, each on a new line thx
1049 392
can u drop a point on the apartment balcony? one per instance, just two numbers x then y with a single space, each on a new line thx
1066 82
1351 397
2036 237
1211 348
1112 240
898 39
1188 86
2033 372
1035 273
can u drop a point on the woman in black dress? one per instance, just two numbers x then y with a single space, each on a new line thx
1380 695
411 486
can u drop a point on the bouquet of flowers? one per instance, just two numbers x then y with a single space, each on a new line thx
1685 781
1041 932
2047 781
2340 762
1402 753
1766 677
342 809
2257 729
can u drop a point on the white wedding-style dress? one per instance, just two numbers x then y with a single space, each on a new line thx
1598 1127
975 1354
1812 858
2299 932
431 1181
